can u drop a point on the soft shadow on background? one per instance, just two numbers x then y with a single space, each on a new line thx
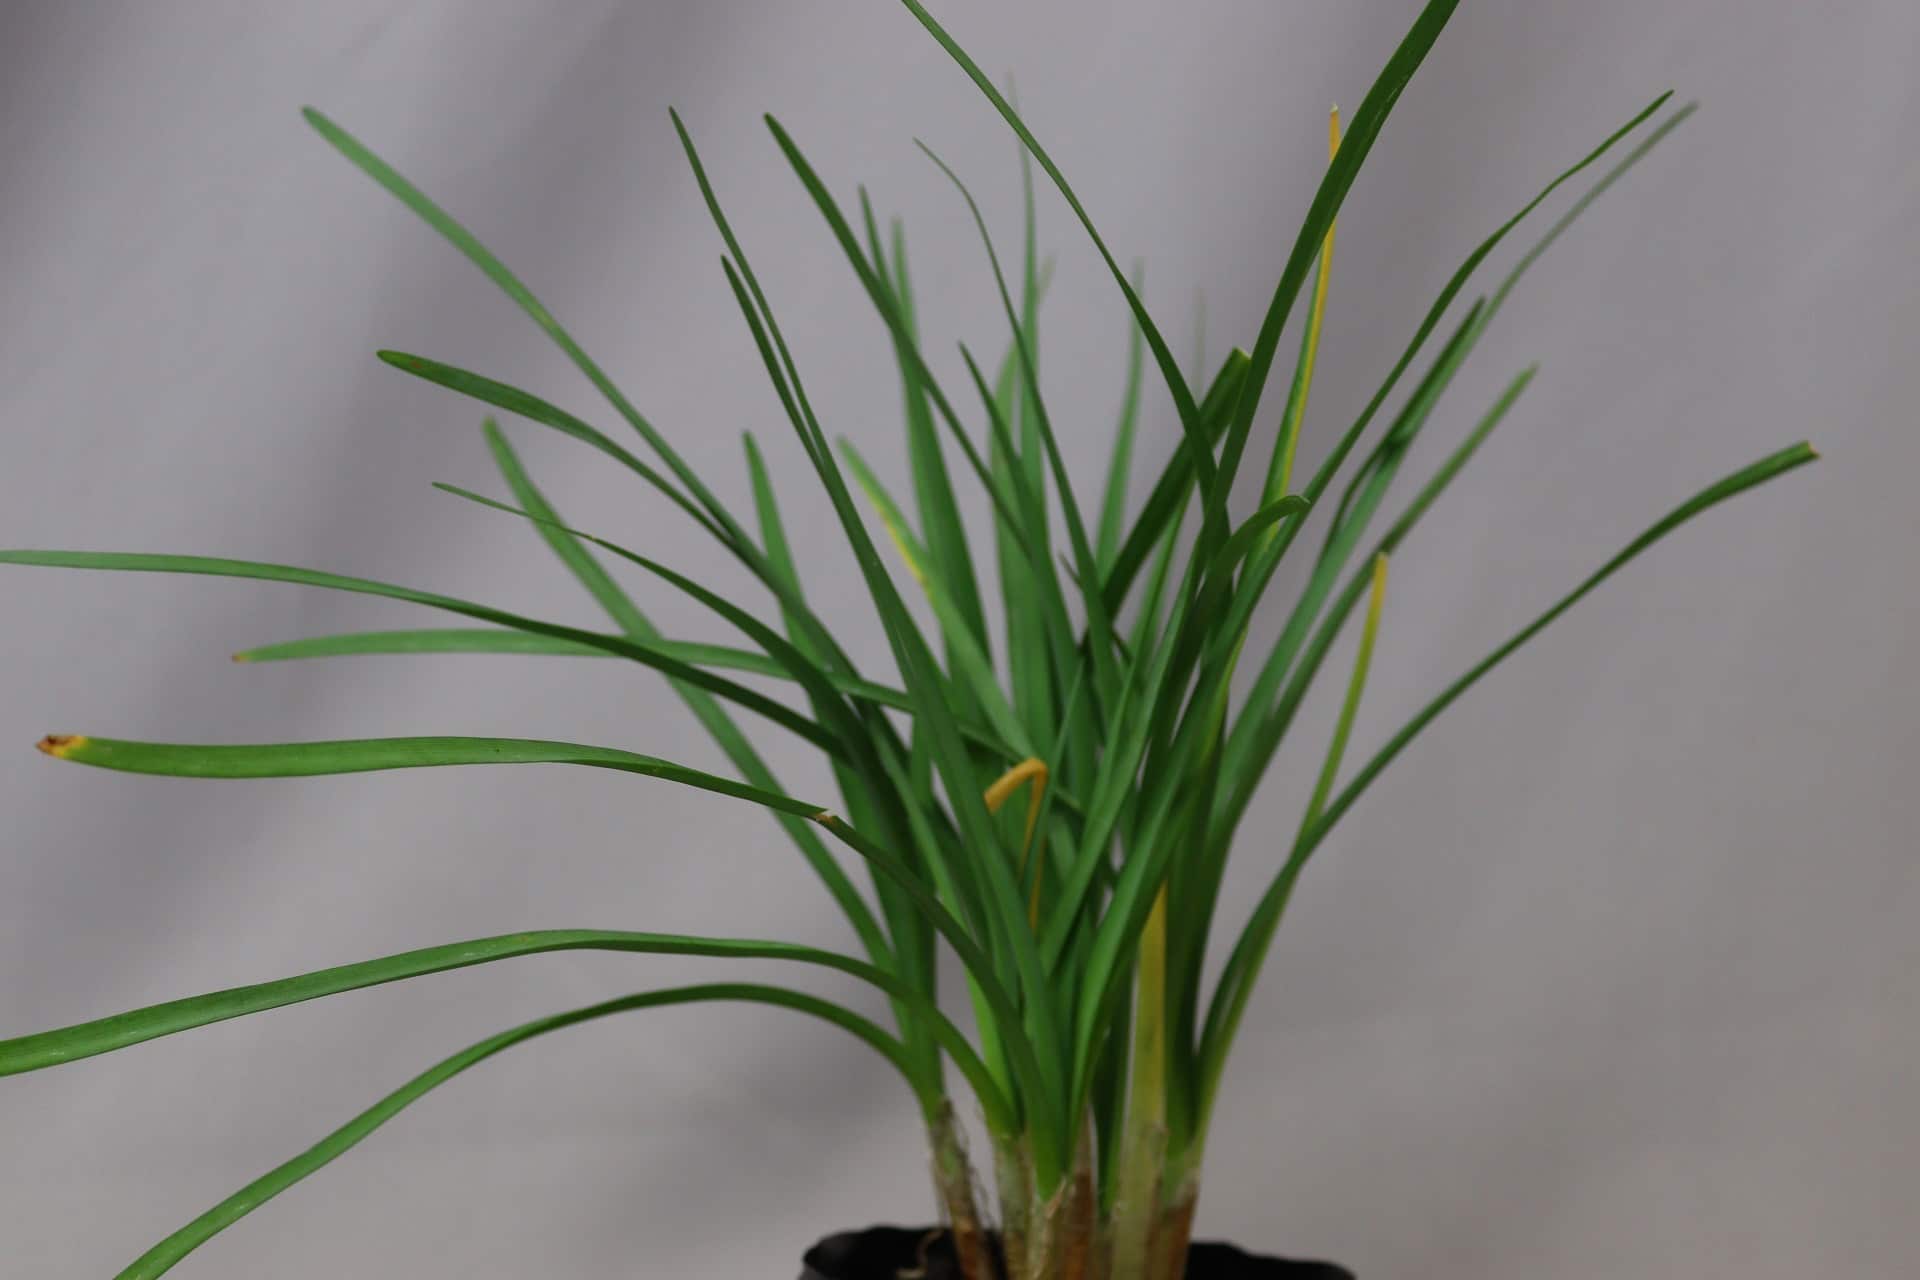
1616 974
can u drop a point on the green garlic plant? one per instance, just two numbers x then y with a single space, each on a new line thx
1081 912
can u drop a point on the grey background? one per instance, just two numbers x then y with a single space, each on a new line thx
1614 975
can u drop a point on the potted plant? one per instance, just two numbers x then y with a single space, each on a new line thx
1057 814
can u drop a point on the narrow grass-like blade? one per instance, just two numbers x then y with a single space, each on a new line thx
1336 458
1040 634
429 640
496 640
1223 1019
104 1035
862 787
1410 422
1245 538
527 405
1242 968
148 562
163 1256
1100 641
802 668
1345 167
1280 466
773 533
1256 737
1757 473
974 667
932 487
463 240
1356 685
1113 507
1369 484
1025 338
923 679
311 759
1172 492
1268 728
1213 501
512 399
704 706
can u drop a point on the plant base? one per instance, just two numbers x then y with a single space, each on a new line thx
926 1253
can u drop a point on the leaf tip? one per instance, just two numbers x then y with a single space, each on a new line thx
245 655
62 745
824 817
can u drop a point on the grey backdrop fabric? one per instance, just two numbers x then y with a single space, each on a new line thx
1615 974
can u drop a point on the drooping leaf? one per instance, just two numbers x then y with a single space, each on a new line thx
164 1255
212 566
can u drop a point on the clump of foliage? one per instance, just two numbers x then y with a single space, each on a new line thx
1058 813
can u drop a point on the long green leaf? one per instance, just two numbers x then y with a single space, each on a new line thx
1100 642
1355 146
531 407
1213 502
924 681
45 1049
933 489
704 706
1370 482
211 566
1272 728
1242 969
310 759
469 640
1172 492
463 240
163 1256
498 640
512 399
1207 1059
870 805
1113 507
1247 755
777 646
963 647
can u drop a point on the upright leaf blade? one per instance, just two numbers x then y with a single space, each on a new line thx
1113 507
1212 500
1354 148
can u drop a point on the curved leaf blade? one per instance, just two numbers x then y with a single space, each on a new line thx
164 1255
211 566
43 1049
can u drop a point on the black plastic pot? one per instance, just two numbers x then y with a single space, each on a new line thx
887 1253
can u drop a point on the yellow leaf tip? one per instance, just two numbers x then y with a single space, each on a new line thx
62 745
242 657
